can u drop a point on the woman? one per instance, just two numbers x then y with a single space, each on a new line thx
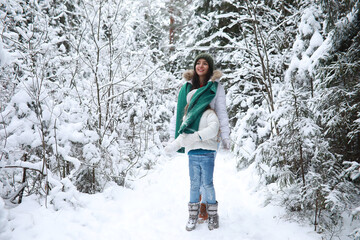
201 145
202 73
211 92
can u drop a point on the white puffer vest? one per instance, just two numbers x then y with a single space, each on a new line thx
208 131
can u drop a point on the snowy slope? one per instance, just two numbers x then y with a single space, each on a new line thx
157 209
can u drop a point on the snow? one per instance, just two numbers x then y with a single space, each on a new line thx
4 55
3 218
227 15
315 41
308 23
309 28
156 208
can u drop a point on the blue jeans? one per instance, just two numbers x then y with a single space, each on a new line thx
201 171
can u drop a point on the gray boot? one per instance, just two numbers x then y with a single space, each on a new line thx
193 216
213 216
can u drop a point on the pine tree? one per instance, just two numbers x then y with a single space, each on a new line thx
300 157
337 85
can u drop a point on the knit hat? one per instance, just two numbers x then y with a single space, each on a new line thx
208 58
189 95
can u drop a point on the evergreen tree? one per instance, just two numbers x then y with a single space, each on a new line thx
337 86
299 157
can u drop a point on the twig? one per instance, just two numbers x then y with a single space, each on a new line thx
26 168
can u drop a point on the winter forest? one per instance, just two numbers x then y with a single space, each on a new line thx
88 88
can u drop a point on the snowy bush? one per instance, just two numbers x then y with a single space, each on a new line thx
64 196
85 97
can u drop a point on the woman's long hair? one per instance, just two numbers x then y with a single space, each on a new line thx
187 106
196 81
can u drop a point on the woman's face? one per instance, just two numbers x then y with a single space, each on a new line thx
202 67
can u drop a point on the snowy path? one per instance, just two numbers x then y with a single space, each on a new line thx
157 209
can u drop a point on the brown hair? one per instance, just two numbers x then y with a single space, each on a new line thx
187 106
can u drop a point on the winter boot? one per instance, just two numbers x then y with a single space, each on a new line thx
213 216
203 215
193 216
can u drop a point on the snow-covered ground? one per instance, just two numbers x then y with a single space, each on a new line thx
157 209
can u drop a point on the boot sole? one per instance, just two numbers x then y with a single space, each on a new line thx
189 229
213 228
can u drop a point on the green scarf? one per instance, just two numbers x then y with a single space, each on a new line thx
198 104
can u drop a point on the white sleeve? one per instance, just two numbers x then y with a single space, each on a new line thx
221 111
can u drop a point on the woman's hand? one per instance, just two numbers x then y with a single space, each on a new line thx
190 139
226 143
174 145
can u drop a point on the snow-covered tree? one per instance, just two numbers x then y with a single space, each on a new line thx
300 158
337 91
34 42
87 90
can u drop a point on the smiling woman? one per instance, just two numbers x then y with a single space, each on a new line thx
199 119
202 68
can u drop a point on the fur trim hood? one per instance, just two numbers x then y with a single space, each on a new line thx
188 75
